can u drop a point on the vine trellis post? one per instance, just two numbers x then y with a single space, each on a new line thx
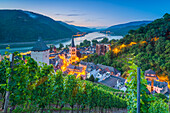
11 58
138 90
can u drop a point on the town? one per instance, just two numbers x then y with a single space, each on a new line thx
84 56
70 61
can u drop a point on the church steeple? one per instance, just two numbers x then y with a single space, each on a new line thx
73 51
72 42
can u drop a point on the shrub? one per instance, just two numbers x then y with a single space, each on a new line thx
158 106
161 96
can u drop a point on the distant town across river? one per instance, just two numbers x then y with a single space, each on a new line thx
27 46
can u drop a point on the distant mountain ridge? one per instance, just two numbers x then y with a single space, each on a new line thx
26 26
78 28
69 26
122 29
84 29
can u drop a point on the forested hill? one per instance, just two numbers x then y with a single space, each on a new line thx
152 54
21 26
155 53
68 26
78 28
122 29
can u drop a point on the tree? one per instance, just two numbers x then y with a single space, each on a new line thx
149 49
166 16
67 47
94 42
91 78
158 106
131 31
86 43
104 40
61 46
81 44
108 57
161 96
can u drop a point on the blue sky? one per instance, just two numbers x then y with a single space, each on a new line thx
93 12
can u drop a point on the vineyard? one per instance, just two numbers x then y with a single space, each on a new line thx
36 88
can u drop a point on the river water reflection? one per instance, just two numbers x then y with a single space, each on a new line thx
77 40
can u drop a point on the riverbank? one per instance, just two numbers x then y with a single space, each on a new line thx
26 46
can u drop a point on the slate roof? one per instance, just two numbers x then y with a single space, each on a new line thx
149 71
88 64
40 46
83 63
71 66
112 80
72 42
74 67
104 67
159 84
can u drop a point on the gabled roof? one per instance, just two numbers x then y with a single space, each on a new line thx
40 45
163 85
70 66
149 71
83 63
158 83
112 80
103 67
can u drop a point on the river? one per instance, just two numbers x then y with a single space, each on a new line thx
77 40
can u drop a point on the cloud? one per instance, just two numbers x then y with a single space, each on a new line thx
59 14
72 14
69 21
89 20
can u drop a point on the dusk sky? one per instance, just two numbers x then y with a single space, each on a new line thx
93 12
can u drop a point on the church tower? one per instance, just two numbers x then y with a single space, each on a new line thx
73 51
40 52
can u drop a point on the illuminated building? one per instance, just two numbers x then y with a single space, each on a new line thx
158 87
73 51
150 75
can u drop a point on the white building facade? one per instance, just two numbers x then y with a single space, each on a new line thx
40 52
